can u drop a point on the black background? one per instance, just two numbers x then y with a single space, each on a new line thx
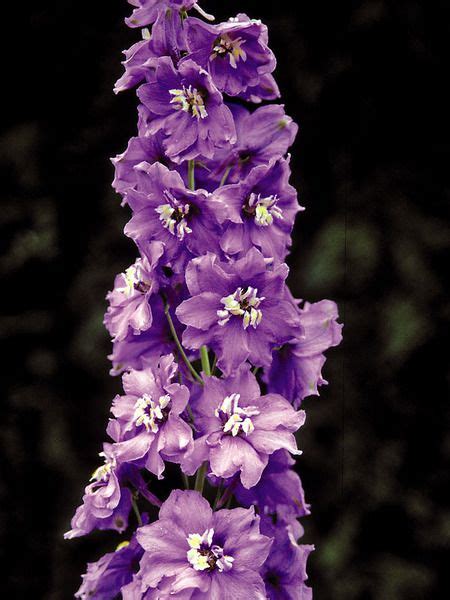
367 83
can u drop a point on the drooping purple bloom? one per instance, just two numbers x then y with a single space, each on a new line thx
138 351
186 222
263 136
279 493
267 89
235 53
147 11
106 502
296 371
129 308
187 106
203 554
148 428
239 309
105 578
167 39
261 210
284 571
239 429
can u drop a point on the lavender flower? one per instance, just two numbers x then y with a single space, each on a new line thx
239 428
203 554
105 578
129 308
235 53
296 369
239 309
189 108
148 428
106 503
261 138
186 222
147 11
262 210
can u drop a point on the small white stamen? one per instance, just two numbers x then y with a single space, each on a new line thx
226 45
103 472
134 281
243 303
173 216
239 419
204 555
189 100
263 209
149 413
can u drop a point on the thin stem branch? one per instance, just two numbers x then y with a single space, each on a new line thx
225 175
205 361
200 478
136 510
213 368
180 347
191 174
185 480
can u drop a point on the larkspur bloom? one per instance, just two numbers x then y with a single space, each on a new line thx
261 210
238 309
239 429
235 53
167 38
106 577
206 554
263 136
284 571
187 106
148 428
186 222
129 308
106 502
147 11
296 370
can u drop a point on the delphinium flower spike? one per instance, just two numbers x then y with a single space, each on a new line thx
216 356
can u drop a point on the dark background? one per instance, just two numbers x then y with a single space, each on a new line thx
366 81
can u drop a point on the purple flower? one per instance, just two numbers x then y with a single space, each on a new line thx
148 428
188 107
262 211
137 351
167 39
279 493
262 137
267 89
105 577
240 309
203 554
235 53
296 369
106 503
284 571
186 222
239 428
147 11
129 308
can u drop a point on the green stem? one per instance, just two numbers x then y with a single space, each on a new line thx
180 347
225 175
185 480
136 510
218 494
205 361
200 478
213 368
191 175
255 370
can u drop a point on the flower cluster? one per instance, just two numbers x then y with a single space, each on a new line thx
216 356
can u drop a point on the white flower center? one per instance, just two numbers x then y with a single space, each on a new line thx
189 100
134 281
204 555
103 472
224 45
151 413
263 209
235 418
173 216
243 303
